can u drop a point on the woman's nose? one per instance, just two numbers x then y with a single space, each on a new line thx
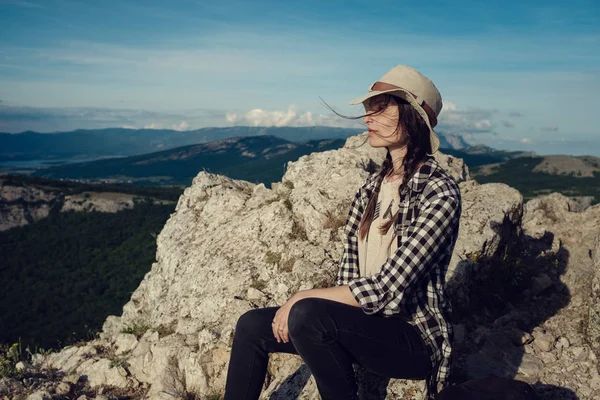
367 118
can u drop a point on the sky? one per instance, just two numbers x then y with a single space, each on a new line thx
519 75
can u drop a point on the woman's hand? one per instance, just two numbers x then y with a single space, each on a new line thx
280 322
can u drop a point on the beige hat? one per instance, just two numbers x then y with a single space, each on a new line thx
409 84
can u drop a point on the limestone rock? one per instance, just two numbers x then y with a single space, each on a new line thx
100 202
530 366
233 245
103 372
63 388
39 395
124 343
543 342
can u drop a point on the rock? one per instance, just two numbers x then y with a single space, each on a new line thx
541 283
39 395
112 327
63 388
547 358
491 214
98 202
124 343
518 337
530 366
579 353
498 356
72 378
459 333
563 342
543 342
103 372
254 294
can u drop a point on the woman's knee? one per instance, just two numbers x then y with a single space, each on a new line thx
304 313
249 324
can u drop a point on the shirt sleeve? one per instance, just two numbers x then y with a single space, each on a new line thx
429 234
348 268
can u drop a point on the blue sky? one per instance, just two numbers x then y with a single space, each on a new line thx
513 74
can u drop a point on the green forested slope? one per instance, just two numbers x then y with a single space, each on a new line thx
518 174
71 270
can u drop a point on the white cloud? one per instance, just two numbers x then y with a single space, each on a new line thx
259 117
449 106
526 141
183 126
453 120
289 117
152 125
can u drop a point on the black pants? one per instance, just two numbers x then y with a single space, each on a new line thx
330 337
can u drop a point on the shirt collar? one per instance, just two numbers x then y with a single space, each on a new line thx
416 183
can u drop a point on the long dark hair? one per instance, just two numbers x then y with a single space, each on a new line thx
418 146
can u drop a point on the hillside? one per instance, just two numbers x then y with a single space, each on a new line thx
64 274
475 156
582 166
255 159
534 176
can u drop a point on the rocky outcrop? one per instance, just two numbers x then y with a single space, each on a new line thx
232 246
550 336
22 205
100 202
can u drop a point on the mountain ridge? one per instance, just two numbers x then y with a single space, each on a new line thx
32 145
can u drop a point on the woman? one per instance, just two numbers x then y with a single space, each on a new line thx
387 310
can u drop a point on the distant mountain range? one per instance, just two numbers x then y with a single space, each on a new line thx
115 142
255 159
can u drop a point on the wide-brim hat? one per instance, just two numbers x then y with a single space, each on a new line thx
418 90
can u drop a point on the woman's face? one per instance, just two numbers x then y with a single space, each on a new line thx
382 122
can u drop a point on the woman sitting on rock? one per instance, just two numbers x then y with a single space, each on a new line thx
387 310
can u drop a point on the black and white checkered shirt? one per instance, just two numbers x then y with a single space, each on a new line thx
411 282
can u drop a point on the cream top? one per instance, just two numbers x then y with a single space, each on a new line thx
374 251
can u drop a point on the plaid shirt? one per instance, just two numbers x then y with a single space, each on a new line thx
411 282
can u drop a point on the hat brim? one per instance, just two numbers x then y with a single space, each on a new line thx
433 137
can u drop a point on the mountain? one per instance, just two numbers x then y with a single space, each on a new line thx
114 142
255 159
127 142
448 141
576 177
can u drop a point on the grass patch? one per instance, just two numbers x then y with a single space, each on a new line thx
287 265
136 328
288 184
298 231
334 220
258 284
272 257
